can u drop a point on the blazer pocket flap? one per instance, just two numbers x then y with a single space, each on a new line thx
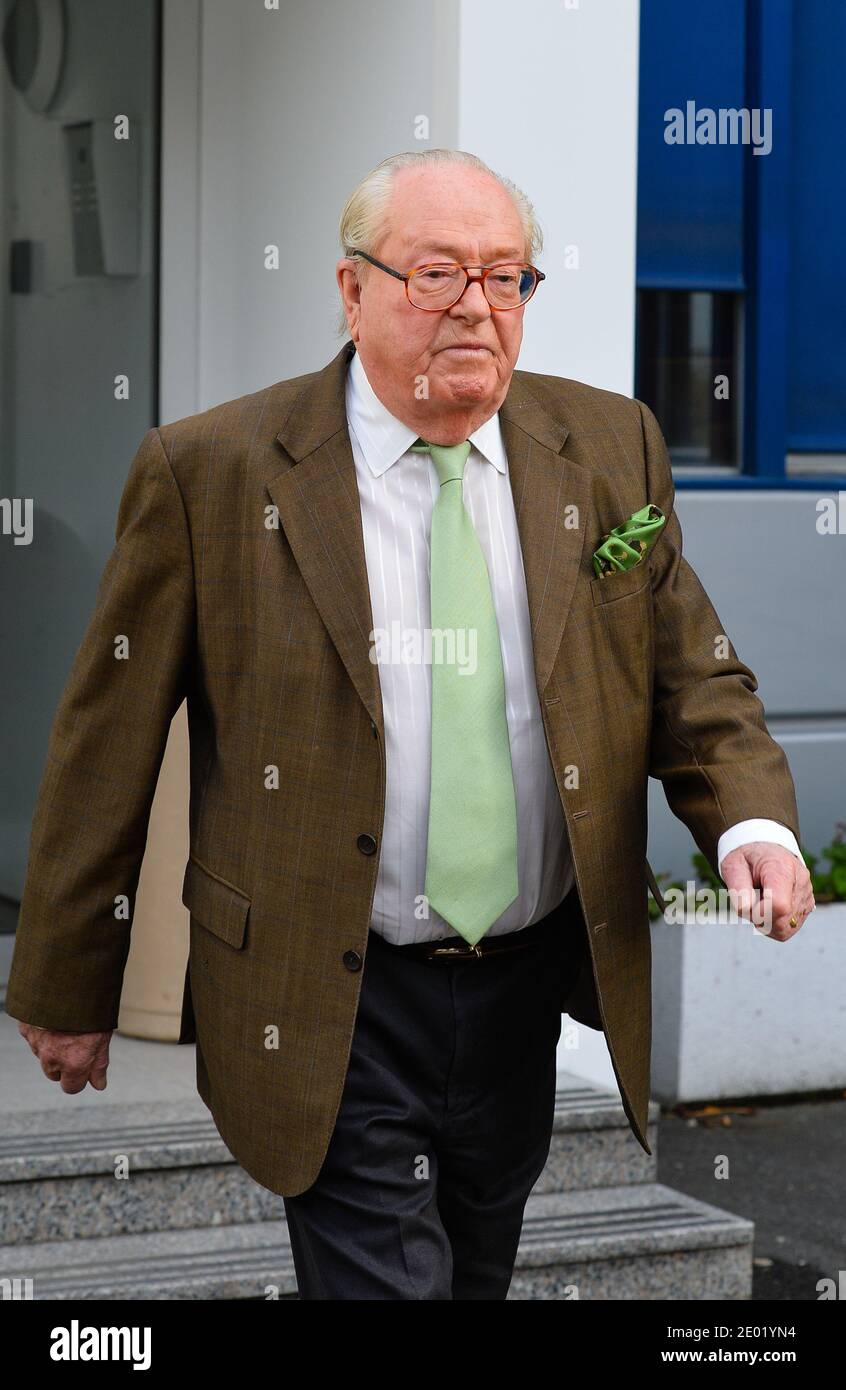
621 584
217 905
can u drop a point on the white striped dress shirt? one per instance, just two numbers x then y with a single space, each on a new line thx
398 490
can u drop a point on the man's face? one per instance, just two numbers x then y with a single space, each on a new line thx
466 354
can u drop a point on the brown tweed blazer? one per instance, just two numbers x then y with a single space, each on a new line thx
239 579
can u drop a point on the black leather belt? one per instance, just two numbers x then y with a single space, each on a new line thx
455 948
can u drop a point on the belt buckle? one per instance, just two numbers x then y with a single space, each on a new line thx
466 951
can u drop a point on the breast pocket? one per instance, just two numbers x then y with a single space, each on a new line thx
621 584
218 906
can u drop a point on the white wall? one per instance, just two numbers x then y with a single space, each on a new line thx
555 108
271 117
290 109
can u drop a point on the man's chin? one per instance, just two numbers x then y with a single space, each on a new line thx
469 385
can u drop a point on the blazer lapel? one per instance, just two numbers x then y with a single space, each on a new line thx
320 513
552 500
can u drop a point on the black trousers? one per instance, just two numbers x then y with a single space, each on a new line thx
444 1126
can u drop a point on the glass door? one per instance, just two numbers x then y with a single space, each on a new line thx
79 151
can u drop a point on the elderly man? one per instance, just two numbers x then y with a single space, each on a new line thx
421 731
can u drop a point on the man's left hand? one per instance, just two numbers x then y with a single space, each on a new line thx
774 869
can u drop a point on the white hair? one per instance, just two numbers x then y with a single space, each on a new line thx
365 213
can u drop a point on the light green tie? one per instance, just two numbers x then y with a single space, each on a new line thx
471 859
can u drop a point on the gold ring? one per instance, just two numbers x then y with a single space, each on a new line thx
793 922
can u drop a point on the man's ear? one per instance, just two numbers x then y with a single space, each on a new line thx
346 273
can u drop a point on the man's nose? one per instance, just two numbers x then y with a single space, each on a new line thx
472 304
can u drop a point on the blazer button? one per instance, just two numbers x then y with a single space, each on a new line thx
352 960
366 844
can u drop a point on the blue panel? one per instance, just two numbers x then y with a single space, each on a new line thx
690 197
769 69
817 362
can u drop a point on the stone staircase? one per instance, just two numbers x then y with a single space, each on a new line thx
188 1223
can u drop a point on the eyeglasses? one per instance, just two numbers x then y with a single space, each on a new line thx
439 285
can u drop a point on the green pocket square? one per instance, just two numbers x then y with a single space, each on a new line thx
626 545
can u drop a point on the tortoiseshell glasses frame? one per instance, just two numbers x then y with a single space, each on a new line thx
526 289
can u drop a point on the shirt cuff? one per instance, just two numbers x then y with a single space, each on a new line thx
748 830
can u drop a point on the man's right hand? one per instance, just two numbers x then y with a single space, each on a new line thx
72 1059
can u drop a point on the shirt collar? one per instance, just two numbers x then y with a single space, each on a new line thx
384 439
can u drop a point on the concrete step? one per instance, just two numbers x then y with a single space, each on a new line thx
645 1241
59 1174
58 1171
223 1262
640 1242
592 1143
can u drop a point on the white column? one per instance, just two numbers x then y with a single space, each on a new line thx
548 94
